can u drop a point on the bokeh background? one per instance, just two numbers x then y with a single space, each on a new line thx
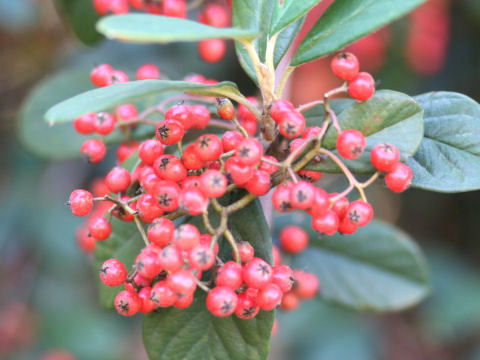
48 296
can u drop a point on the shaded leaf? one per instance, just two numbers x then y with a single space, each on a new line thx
287 11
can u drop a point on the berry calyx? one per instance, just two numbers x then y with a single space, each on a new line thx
93 150
222 301
384 156
359 213
127 303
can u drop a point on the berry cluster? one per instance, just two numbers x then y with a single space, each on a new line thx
213 14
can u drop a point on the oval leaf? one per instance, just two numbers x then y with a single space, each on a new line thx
346 21
148 28
379 268
449 157
388 116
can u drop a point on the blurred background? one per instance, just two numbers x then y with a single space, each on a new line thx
48 303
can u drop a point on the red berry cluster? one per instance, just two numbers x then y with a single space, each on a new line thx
213 14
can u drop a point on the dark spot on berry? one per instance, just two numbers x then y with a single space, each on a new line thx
285 206
244 152
164 199
163 131
357 150
164 163
204 143
354 216
301 196
387 148
226 307
247 312
124 306
290 129
263 269
104 269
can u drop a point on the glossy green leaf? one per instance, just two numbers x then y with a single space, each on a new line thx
194 333
148 28
346 21
379 268
111 96
388 116
449 157
287 11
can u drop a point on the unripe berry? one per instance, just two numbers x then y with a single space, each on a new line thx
225 109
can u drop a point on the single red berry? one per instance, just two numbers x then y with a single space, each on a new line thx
85 242
249 151
306 284
81 202
117 77
118 180
201 258
169 167
281 197
147 71
384 157
230 275
208 147
192 181
292 124
340 205
362 87
359 213
302 195
257 273
311 131
269 297
246 251
268 167
213 183
283 277
236 172
148 263
191 160
221 301
277 256
399 178
162 295
104 123
160 231
93 150
193 201
174 8
244 113
182 282
126 112
290 301
326 223
148 207
246 306
171 258
279 108
126 149
113 272
201 116
101 6
345 66
350 144
250 126
321 203
347 227
184 301
100 75
148 305
259 183
167 194
85 124
169 132
186 237
212 50
214 15
149 182
225 109
182 114
99 228
150 150
127 303
293 239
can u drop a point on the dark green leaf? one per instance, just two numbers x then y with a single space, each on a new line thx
110 96
388 116
287 11
379 268
147 28
449 157
346 21
123 244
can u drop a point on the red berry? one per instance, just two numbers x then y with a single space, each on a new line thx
257 273
212 50
119 6
225 109
229 275
192 181
302 195
148 207
249 126
125 150
100 75
171 258
85 124
147 71
321 203
249 151
183 301
182 114
167 194
259 183
399 178
175 8
182 282
384 157
193 201
326 223
162 295
221 301
85 242
148 264
350 144
214 15
269 168
81 202
150 150
346 226
237 172
160 231
190 158
126 112
290 301
277 257
186 237
201 116
246 306
208 147
118 180
310 176
244 114
293 239
306 285
169 167
148 305
283 277
345 66
113 272
205 240
279 108
101 7
246 251
213 183
127 303
99 228
281 197
269 297
340 205
104 123
359 213
311 131
292 124
169 132
93 150
117 77
362 87
201 258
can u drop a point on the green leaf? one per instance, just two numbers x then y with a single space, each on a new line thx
108 97
287 11
379 268
257 15
194 333
148 28
449 157
388 116
123 244
346 21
